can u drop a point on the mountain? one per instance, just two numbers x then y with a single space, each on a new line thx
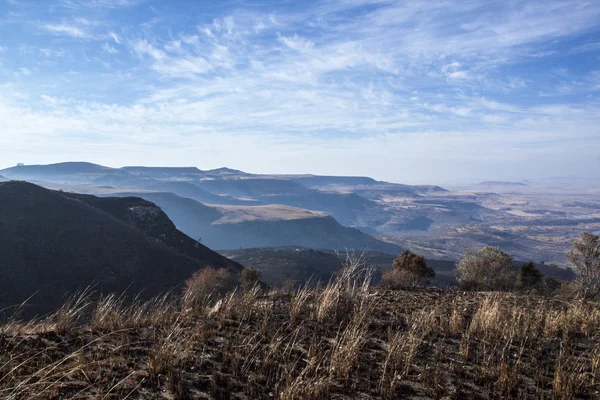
52 243
74 172
232 227
438 222
353 201
3 179
360 183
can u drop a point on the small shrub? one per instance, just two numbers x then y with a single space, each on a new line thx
489 268
249 277
409 271
206 284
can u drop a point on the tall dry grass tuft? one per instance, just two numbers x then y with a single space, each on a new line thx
298 301
311 383
569 375
167 355
114 312
402 350
352 282
236 304
72 312
349 341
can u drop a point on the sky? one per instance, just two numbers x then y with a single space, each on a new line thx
406 91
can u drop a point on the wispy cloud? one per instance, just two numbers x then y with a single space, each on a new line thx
107 47
338 86
55 52
79 4
67 30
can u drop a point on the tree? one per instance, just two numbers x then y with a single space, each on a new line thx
530 278
410 270
585 258
488 268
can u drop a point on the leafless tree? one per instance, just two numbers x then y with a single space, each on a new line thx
585 258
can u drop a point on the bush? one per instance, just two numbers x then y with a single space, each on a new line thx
585 258
409 271
530 278
249 277
397 279
208 283
489 268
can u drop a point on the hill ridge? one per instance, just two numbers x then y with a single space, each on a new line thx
65 242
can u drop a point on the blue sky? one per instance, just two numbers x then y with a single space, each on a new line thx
417 92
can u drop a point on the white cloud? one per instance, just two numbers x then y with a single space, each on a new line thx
66 30
59 52
458 74
297 43
142 47
109 48
115 37
81 4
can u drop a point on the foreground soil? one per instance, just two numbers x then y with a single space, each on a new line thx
338 342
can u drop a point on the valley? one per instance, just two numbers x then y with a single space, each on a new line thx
231 209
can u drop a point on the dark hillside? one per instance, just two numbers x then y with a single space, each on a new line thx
151 220
281 264
58 243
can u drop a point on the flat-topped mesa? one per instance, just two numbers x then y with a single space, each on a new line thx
58 169
162 170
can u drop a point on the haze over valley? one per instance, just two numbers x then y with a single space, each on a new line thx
230 209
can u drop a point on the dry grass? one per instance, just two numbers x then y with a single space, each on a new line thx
344 340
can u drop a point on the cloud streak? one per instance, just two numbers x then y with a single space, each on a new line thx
350 87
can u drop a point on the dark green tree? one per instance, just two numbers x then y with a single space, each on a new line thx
530 278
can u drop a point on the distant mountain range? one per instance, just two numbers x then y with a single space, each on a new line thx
180 192
54 243
232 209
233 227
